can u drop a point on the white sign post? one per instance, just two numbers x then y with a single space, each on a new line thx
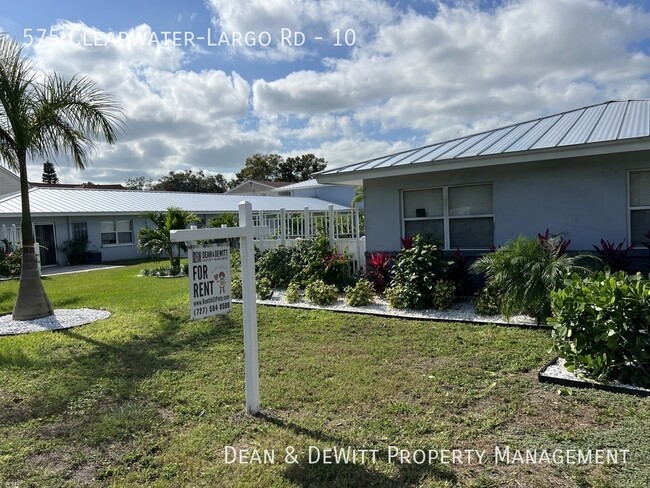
246 232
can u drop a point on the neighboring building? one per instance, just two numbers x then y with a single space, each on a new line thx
89 185
311 188
261 188
112 218
585 172
9 181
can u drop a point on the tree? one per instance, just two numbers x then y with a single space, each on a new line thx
188 181
41 116
49 174
299 168
273 167
259 167
139 183
158 241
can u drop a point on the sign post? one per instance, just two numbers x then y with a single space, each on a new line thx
246 232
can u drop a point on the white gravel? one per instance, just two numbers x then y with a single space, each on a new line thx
63 318
459 312
558 370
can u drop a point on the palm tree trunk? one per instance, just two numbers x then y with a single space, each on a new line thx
32 301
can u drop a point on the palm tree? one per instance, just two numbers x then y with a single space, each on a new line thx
158 241
42 116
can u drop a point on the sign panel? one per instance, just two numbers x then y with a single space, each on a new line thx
209 277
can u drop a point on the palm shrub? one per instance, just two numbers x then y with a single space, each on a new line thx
601 325
415 273
158 240
526 270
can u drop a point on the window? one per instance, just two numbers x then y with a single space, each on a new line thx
117 232
458 216
639 206
79 230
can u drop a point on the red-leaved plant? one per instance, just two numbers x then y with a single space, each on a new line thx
555 244
378 270
614 256
407 242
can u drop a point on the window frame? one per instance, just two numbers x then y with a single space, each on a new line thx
446 218
116 232
74 233
630 208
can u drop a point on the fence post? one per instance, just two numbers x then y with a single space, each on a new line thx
283 227
361 260
306 223
331 222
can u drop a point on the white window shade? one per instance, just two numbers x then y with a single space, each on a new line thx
423 203
470 200
640 189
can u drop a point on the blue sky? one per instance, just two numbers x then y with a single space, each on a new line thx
413 73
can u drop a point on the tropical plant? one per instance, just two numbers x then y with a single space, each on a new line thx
359 295
601 326
526 270
293 293
75 249
228 219
42 116
416 271
158 240
10 263
378 270
614 257
321 293
444 294
263 288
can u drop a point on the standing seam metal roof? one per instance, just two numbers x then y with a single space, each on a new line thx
606 122
87 201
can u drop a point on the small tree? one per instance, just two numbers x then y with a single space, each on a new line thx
49 174
158 241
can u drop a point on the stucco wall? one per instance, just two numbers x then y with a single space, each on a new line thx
585 197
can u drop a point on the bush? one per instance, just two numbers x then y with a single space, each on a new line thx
75 249
162 271
321 293
279 265
458 273
293 293
361 294
602 326
614 257
263 288
488 301
378 270
444 294
526 270
11 263
399 296
236 287
416 271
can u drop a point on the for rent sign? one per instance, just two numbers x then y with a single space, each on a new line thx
209 277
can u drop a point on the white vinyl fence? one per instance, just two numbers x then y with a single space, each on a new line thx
342 227
11 238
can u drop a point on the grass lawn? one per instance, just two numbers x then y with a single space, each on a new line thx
149 398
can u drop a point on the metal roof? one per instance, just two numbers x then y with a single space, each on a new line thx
609 122
301 185
78 201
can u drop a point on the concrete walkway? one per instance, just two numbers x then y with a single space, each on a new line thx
82 268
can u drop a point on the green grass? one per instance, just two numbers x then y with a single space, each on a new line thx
149 398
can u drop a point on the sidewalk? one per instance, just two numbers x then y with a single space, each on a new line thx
82 268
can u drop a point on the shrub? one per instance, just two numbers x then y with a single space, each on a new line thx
279 265
75 249
321 293
458 272
361 294
319 262
526 270
236 287
162 271
11 263
293 293
378 270
488 301
601 325
264 288
416 271
399 296
444 294
613 256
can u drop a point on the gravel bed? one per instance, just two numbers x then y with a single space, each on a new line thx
558 370
459 312
62 319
